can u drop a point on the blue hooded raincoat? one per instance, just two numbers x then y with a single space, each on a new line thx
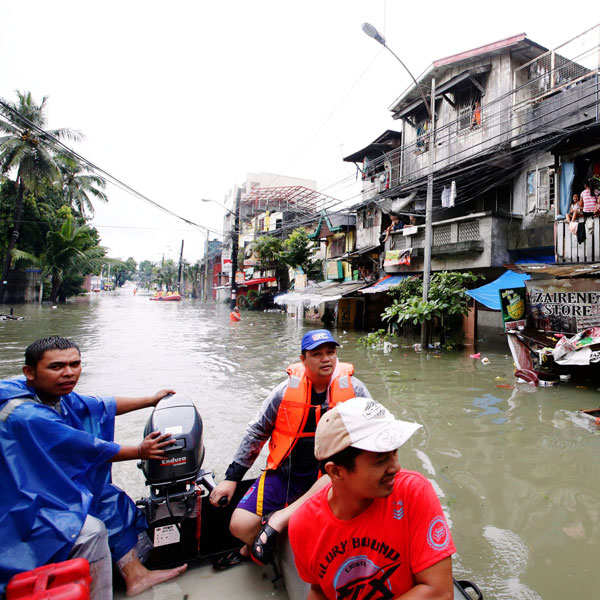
55 469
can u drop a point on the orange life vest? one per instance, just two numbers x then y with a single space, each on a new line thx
295 406
233 316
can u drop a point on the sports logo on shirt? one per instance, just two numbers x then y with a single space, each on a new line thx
438 536
359 578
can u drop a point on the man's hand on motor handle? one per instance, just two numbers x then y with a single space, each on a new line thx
156 398
222 494
154 444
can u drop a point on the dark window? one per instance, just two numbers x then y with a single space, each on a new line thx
468 110
337 246
368 218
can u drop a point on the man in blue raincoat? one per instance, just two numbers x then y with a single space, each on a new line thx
56 449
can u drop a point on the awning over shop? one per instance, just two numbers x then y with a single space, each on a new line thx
319 293
360 252
488 294
384 284
574 270
250 282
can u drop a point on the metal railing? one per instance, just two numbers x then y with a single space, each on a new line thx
443 234
567 247
557 69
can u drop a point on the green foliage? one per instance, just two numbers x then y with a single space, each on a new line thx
33 205
269 250
446 302
124 270
374 339
70 250
165 274
145 273
79 185
298 250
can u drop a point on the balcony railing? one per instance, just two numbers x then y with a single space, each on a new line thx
451 231
566 246
557 69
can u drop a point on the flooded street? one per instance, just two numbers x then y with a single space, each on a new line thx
517 470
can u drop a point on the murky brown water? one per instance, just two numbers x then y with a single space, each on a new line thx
517 469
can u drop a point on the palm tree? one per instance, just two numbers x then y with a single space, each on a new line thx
69 248
79 185
30 153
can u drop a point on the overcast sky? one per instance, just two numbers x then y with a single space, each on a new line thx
182 99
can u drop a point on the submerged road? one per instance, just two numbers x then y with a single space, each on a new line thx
516 469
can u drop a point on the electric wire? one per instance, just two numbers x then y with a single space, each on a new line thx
99 170
487 119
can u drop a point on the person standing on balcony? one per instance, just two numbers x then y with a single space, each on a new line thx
395 225
590 202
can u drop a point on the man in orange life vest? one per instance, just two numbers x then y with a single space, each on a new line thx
288 419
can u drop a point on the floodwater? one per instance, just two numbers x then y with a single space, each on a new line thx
517 470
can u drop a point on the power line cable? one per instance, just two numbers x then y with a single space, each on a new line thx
90 165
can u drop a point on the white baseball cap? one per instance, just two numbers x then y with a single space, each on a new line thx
361 423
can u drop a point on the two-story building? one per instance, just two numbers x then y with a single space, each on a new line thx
505 149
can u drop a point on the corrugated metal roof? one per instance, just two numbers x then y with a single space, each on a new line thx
517 43
384 284
574 270
315 295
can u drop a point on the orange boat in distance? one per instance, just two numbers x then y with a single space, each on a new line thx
166 297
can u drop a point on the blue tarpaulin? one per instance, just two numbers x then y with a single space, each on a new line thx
567 174
488 294
384 284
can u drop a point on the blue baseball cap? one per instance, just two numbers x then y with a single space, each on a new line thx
316 337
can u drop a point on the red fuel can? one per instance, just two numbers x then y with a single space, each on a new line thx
68 580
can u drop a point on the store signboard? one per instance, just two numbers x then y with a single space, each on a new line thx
567 305
512 305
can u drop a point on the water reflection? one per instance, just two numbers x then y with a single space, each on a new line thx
516 469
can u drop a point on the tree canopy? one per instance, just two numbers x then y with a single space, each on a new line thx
38 183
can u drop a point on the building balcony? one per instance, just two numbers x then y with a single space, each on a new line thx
472 241
568 250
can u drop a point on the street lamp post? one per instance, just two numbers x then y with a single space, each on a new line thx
234 246
372 32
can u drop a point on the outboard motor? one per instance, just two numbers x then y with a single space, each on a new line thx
177 482
184 458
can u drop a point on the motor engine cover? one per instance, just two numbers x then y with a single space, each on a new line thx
182 460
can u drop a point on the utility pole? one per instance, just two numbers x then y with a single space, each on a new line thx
234 246
205 286
428 212
180 268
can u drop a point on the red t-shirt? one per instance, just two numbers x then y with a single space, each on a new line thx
375 554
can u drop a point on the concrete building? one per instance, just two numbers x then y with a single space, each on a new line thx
269 204
515 135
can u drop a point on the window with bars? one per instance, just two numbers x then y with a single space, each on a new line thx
368 218
468 231
422 136
468 110
442 235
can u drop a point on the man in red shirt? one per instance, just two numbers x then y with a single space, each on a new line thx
377 532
